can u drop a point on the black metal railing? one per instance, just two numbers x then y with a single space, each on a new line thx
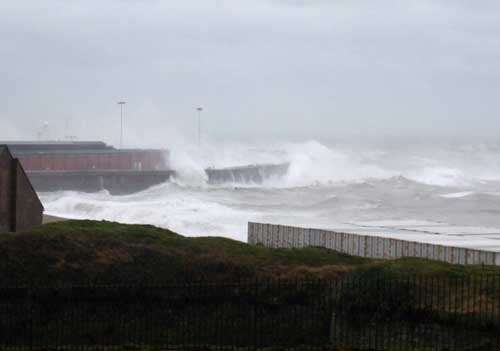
353 312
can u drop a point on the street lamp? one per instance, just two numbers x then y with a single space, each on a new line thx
199 109
121 103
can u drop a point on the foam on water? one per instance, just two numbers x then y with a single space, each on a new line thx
324 186
457 195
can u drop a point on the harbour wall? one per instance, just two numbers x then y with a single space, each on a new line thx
281 236
116 182
251 174
129 181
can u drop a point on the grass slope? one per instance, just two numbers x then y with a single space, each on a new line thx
81 251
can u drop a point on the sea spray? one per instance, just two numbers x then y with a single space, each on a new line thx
325 186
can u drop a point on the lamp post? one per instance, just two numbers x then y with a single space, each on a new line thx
121 103
199 109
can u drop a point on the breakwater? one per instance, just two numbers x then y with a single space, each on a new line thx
371 246
116 182
251 174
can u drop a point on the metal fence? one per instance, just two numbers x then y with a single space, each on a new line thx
358 311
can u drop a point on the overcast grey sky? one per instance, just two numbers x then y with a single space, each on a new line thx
316 68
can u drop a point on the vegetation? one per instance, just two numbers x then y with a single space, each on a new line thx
100 251
407 298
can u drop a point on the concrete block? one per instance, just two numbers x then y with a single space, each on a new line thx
449 254
418 250
299 234
343 242
315 237
349 243
441 253
362 245
279 236
461 256
264 235
257 232
454 255
379 247
295 240
483 257
399 248
322 238
269 235
435 252
355 245
372 247
296 236
392 248
263 229
318 238
411 249
337 241
305 237
289 236
490 258
249 234
475 257
276 236
331 239
405 250
427 251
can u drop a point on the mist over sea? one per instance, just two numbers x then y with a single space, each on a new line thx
328 185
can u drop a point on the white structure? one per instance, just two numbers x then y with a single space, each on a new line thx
373 246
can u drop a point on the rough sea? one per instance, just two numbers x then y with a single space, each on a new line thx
433 187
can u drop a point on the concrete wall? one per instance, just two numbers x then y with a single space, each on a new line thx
5 190
20 207
280 236
116 182
253 174
29 209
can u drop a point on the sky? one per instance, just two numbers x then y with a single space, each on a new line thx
268 68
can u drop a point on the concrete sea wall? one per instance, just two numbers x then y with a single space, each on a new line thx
252 174
20 207
116 182
281 236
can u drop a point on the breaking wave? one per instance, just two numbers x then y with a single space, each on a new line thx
323 184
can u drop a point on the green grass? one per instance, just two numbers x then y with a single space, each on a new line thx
100 251
111 253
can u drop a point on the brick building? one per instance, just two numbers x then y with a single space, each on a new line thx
20 207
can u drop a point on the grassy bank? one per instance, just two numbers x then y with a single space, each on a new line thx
374 298
79 251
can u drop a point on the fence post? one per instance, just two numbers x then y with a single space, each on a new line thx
31 316
255 314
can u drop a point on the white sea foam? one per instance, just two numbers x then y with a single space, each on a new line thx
313 163
325 185
457 195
